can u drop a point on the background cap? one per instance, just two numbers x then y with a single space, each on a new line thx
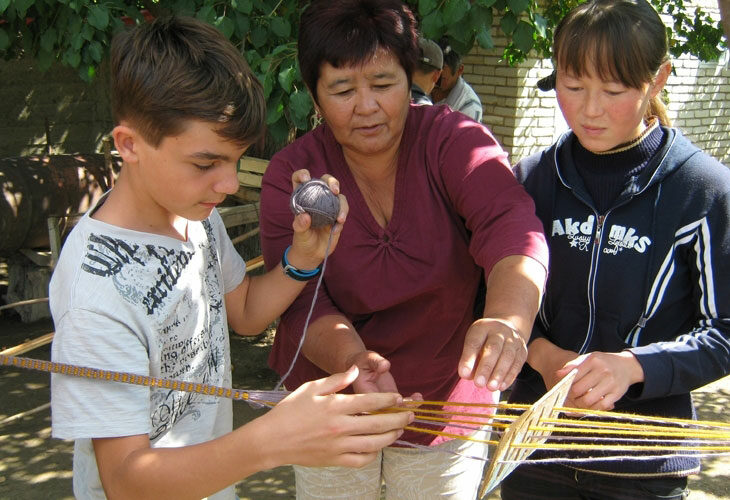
430 53
547 83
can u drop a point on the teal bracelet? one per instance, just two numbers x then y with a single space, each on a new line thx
297 274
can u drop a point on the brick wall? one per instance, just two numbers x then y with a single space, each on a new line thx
525 119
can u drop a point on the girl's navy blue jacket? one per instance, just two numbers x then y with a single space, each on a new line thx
650 275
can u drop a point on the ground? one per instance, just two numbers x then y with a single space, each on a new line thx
35 466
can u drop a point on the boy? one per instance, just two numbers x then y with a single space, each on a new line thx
148 280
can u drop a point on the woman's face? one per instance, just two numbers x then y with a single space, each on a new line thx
365 105
602 114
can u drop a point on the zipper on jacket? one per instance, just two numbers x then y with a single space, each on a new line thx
599 229
595 254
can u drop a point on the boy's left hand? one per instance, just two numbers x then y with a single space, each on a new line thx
309 244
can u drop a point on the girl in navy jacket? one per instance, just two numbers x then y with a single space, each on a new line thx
638 294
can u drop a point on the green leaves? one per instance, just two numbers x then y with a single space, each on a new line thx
98 17
454 11
432 26
426 6
523 36
259 36
77 33
300 105
48 40
280 27
22 6
226 25
4 39
518 6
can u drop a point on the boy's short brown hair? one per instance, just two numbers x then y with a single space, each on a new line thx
176 69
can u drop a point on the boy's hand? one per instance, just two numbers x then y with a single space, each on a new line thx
316 427
309 244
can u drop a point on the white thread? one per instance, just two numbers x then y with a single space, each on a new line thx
309 315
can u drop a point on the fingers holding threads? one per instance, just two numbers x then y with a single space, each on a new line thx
316 198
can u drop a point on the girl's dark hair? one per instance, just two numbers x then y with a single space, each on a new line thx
349 32
177 69
622 40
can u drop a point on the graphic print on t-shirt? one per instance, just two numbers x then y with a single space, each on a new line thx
176 289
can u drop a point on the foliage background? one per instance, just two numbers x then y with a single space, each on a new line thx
77 33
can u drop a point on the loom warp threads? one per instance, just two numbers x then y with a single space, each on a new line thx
316 198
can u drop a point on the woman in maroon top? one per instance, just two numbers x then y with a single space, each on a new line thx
434 209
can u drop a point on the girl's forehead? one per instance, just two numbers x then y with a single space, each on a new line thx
589 64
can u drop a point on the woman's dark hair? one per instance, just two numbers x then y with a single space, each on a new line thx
176 69
349 32
622 40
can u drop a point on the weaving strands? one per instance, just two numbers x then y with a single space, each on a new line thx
519 431
565 434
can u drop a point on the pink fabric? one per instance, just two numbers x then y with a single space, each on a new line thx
409 288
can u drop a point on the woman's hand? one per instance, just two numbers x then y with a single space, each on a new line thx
309 244
375 374
495 346
602 378
493 354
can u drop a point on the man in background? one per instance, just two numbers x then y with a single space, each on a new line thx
427 71
452 89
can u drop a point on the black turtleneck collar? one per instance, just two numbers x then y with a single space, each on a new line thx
606 174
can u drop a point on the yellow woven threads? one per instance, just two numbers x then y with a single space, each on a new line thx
637 430
421 404
450 435
617 447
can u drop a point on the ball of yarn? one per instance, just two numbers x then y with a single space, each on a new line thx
316 198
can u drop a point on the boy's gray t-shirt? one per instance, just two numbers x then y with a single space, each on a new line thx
145 304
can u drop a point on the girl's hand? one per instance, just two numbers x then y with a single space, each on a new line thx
602 379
